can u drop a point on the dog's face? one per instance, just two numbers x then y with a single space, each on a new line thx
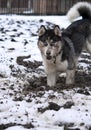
49 42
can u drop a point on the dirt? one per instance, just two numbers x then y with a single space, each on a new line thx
38 86
3 126
32 65
82 79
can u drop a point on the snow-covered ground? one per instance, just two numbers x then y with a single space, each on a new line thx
23 103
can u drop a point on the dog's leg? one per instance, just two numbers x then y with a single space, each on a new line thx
51 79
70 77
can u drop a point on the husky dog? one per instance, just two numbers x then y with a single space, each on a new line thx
60 49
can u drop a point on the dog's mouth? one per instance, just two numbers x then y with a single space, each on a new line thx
48 57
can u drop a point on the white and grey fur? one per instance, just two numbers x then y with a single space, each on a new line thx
74 11
62 56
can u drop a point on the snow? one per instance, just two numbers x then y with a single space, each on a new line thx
21 29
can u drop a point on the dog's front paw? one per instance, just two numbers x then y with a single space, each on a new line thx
51 79
51 84
70 81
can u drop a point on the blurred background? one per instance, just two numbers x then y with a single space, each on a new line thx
36 7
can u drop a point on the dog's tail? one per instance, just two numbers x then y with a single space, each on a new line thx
80 9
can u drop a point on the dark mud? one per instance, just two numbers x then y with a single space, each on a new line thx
82 78
28 126
32 65
38 86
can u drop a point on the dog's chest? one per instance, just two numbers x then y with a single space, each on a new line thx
61 65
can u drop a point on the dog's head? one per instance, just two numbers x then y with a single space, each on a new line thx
49 41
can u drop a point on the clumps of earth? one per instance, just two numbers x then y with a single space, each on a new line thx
82 78
31 82
37 85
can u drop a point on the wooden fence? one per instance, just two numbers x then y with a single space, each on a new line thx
36 7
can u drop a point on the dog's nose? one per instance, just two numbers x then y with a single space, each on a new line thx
48 53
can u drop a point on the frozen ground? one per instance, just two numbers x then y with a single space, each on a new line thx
25 100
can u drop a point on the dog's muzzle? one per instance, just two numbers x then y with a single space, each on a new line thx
48 55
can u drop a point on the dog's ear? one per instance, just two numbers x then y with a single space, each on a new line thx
57 30
42 30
